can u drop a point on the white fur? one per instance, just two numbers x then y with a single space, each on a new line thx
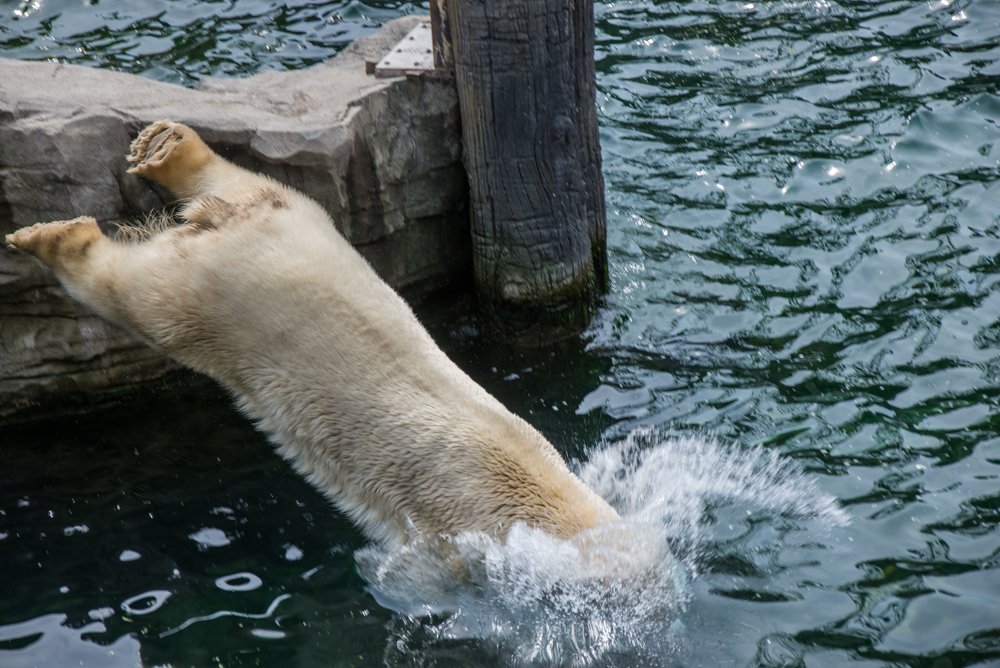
262 293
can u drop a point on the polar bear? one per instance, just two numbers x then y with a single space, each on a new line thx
258 290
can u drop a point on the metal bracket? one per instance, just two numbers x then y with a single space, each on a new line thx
415 53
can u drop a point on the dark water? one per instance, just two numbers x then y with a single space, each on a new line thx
804 236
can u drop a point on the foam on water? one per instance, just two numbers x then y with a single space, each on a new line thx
680 484
614 590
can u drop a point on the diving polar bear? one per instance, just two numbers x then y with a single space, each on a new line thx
259 291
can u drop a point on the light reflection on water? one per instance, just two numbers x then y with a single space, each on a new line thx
804 233
182 41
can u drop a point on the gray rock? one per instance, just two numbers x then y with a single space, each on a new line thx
383 156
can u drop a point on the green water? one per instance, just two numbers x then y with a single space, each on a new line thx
181 41
804 238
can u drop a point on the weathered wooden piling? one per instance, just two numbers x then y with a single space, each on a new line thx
527 94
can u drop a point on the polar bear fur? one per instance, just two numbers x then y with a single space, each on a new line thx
258 290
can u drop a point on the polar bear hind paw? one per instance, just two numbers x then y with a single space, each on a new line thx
171 154
152 146
58 242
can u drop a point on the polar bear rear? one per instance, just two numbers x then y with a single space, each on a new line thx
258 290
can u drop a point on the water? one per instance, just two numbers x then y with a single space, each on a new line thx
181 41
795 376
620 598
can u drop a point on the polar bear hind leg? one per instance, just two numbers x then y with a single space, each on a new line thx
104 273
83 259
176 157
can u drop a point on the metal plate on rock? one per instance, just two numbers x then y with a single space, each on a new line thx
414 52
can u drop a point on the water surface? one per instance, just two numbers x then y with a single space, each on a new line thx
804 238
181 41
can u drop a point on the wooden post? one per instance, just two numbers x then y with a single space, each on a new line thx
590 139
441 36
527 93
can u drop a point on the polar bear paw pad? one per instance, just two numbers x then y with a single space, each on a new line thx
59 241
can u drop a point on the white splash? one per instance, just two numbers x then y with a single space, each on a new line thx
673 482
611 591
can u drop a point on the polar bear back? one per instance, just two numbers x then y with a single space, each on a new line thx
335 367
258 290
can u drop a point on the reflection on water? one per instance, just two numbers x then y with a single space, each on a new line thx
48 638
804 239
181 41
804 234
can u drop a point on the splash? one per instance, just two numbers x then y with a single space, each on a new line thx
683 484
610 596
